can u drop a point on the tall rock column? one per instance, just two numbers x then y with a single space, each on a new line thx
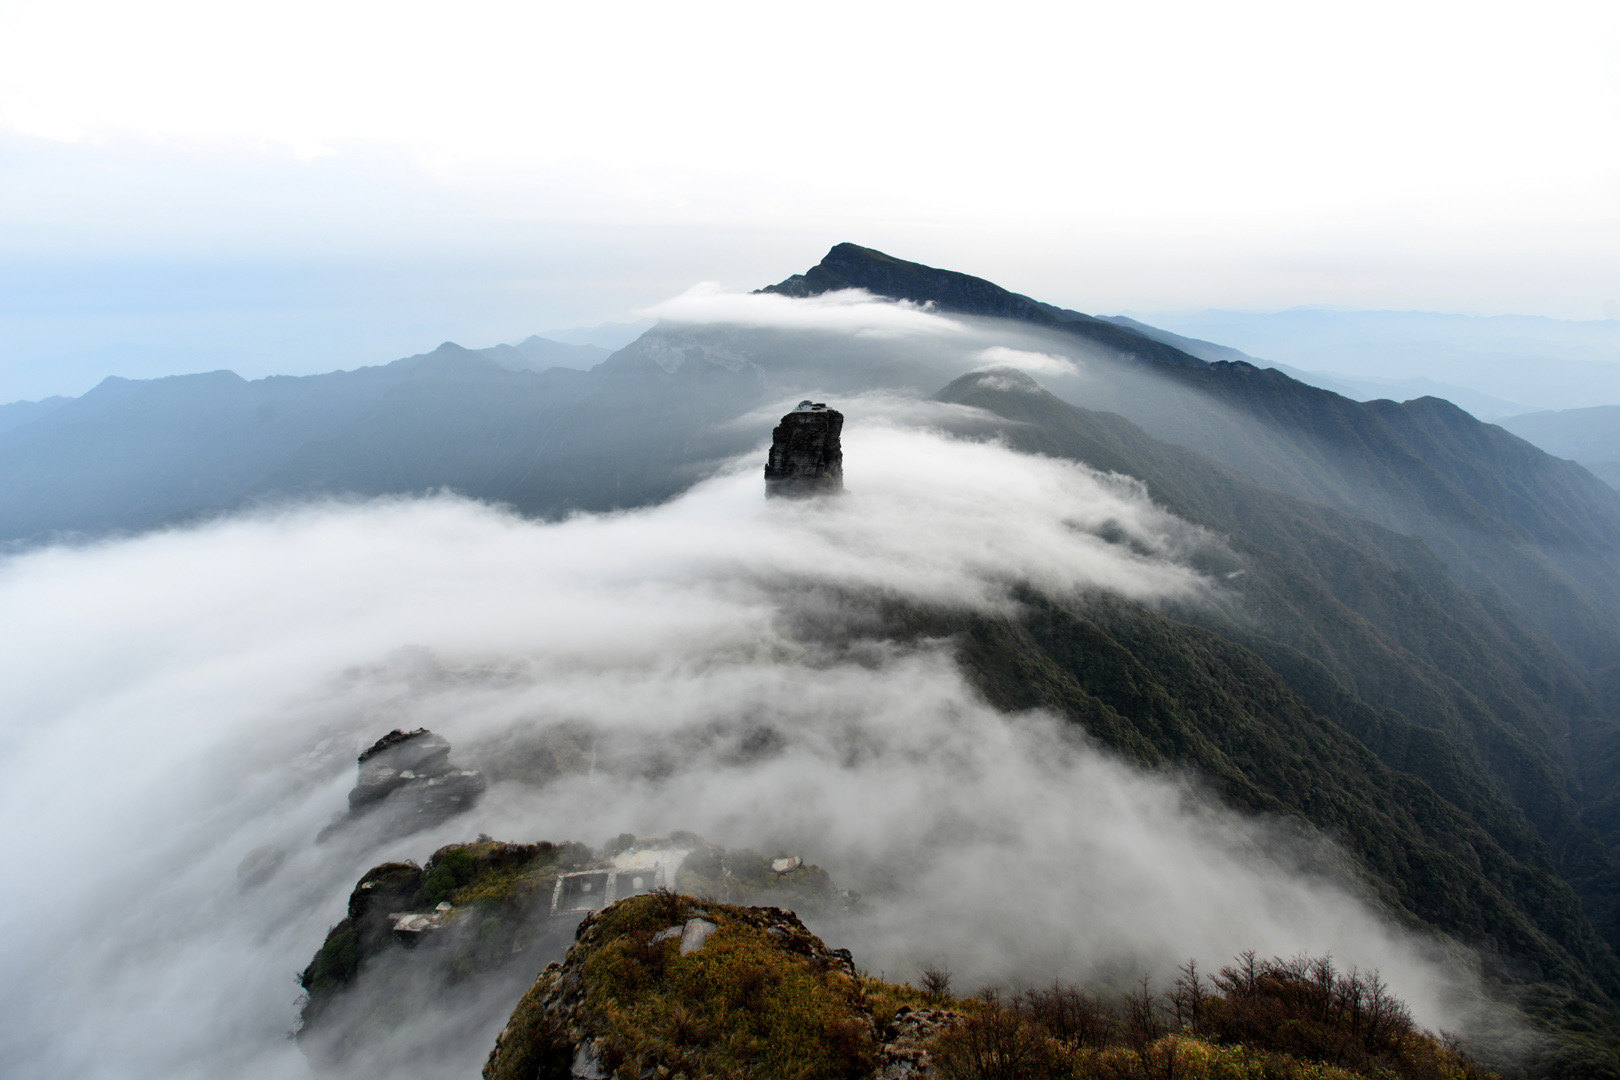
806 456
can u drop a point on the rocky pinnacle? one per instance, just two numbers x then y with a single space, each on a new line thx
806 456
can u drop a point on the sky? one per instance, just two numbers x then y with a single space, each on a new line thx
308 186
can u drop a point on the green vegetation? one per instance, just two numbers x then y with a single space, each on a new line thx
493 874
1346 680
497 893
336 964
886 999
368 978
761 998
389 887
739 1006
1162 693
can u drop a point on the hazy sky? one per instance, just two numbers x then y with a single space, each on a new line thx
303 186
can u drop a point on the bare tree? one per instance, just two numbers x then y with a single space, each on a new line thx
1188 996
1071 1015
994 1043
936 984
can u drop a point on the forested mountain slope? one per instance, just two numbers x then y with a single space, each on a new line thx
1498 511
1369 629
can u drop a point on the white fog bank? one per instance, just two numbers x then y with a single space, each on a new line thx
175 701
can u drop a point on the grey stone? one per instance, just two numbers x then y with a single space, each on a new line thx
586 1066
695 933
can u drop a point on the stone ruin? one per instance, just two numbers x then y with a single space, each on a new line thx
631 873
806 456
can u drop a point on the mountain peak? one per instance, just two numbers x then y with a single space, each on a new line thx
850 266
448 359
996 379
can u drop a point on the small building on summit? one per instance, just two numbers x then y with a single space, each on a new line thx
807 456
631 873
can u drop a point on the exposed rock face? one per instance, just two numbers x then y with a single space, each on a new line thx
394 761
806 457
408 777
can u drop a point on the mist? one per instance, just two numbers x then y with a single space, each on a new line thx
178 700
1522 362
853 311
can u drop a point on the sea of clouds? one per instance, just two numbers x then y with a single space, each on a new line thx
177 700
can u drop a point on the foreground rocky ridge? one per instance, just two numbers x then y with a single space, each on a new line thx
425 951
669 986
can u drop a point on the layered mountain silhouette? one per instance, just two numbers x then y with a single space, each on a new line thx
1495 508
1590 436
1416 652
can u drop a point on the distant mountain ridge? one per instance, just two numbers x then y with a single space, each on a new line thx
1544 363
1545 532
535 353
17 413
1357 388
1590 436
848 266
133 454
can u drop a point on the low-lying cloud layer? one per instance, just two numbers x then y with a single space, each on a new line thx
1033 363
849 311
178 700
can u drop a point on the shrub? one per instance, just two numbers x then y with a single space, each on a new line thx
996 1043
336 962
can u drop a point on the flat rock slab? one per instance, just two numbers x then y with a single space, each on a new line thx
694 934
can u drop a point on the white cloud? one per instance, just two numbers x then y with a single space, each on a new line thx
1035 363
846 311
176 700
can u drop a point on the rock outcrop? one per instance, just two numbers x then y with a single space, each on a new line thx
479 919
408 781
807 457
666 985
417 939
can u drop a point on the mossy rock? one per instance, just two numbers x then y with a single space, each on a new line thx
492 873
760 997
395 886
494 890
